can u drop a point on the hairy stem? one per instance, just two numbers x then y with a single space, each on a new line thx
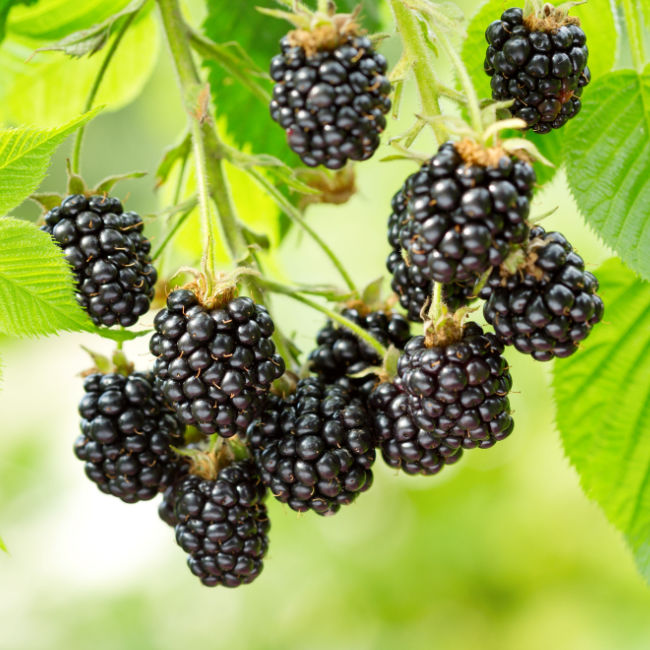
76 150
292 292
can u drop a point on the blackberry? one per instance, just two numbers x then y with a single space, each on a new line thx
109 255
549 306
458 392
331 102
539 63
341 353
127 430
315 449
215 366
222 524
455 219
404 445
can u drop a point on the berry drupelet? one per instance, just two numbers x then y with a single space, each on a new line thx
109 256
540 63
404 445
458 216
458 391
341 353
547 307
222 524
331 100
127 434
315 449
215 366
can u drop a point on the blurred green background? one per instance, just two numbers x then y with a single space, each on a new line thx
500 552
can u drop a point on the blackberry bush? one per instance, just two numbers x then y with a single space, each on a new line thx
315 449
127 432
109 255
458 392
459 215
215 365
222 524
341 353
549 305
541 63
405 445
330 95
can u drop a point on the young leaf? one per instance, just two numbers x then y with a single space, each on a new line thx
36 294
25 156
603 396
5 6
608 163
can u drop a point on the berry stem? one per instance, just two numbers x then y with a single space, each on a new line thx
292 292
291 211
90 100
419 55
635 33
438 309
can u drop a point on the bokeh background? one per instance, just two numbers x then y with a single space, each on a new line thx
500 552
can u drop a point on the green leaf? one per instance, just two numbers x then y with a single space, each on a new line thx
603 400
258 35
608 164
36 289
3 546
33 92
5 6
25 156
177 153
119 335
106 184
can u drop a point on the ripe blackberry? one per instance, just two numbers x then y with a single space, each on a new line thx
541 63
127 430
222 524
546 308
341 353
404 445
109 255
331 101
216 365
458 392
315 449
455 219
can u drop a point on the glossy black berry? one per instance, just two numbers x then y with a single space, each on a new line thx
341 353
458 392
215 366
331 103
126 433
453 221
315 449
547 308
109 255
544 72
405 445
221 524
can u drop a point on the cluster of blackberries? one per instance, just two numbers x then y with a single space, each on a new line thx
109 255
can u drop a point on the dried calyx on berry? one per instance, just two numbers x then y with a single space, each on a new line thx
217 509
128 432
315 449
215 359
545 303
109 255
538 58
458 216
331 93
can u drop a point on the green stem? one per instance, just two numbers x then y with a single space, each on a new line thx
290 210
419 54
170 235
76 151
292 292
438 307
635 33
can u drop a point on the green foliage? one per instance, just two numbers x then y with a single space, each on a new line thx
608 164
36 296
5 6
603 397
3 546
25 156
258 35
